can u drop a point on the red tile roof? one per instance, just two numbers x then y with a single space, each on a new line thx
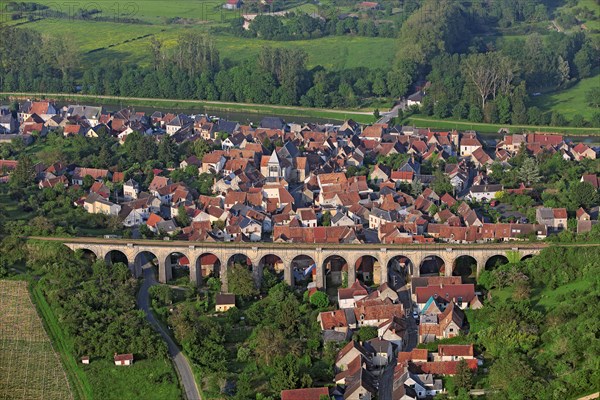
304 394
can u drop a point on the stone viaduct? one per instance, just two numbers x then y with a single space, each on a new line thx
139 252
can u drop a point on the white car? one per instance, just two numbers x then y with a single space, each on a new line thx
415 315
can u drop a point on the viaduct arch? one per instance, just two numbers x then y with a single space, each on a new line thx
285 253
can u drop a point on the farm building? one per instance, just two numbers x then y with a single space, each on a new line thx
123 359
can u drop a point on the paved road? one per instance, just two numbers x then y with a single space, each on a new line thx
399 284
181 363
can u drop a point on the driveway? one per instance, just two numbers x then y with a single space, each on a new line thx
181 363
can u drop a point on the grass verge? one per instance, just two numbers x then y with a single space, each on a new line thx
75 374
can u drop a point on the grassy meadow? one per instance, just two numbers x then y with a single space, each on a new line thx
570 101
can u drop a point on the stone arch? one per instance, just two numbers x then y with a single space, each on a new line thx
177 265
143 258
432 265
400 269
334 267
87 254
303 269
495 260
272 263
207 265
368 269
465 266
114 256
527 257
239 258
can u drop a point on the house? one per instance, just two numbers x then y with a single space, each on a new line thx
123 359
448 324
394 330
415 99
336 320
382 351
424 385
461 294
85 360
581 151
454 352
552 218
213 163
224 302
347 297
131 190
484 192
232 4
468 145
80 173
592 179
369 5
352 350
361 386
96 204
305 394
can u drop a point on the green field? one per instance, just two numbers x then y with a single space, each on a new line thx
570 101
107 42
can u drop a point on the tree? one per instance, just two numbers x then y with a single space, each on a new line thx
583 194
529 172
464 376
319 299
592 97
326 218
182 218
240 281
441 183
24 174
489 73
167 150
366 333
416 187
200 148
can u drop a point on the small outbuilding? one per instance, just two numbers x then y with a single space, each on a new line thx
85 360
225 301
123 359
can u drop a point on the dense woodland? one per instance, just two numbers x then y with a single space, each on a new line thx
447 43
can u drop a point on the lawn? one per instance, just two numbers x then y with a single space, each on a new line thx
29 366
332 52
145 379
570 101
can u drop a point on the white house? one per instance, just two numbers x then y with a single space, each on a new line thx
484 192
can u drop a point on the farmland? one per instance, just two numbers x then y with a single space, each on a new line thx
113 39
29 366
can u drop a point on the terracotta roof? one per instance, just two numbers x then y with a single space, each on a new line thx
461 350
123 357
304 394
333 319
414 355
447 292
443 367
153 219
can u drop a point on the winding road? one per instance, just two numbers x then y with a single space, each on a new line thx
181 363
